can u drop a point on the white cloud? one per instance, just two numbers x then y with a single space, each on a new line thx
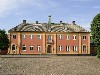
7 6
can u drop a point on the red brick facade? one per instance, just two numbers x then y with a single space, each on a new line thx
50 42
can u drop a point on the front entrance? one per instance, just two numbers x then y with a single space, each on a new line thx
49 50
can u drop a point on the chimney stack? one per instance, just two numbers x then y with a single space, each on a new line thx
24 21
60 22
36 22
73 22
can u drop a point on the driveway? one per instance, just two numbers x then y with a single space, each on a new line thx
49 65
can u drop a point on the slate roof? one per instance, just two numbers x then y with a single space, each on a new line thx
45 27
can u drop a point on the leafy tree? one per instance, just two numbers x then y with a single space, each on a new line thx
4 41
95 31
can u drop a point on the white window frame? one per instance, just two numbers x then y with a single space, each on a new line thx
67 48
84 47
14 46
60 47
31 48
38 36
31 36
38 47
74 37
84 37
74 48
60 37
23 46
14 36
50 38
24 36
67 37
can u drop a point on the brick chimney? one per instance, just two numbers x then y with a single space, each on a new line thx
60 22
24 21
73 22
36 22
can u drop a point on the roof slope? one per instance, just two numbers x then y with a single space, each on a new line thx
44 27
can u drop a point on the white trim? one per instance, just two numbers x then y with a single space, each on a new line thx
31 46
60 37
31 36
60 47
84 46
38 47
13 36
67 48
67 37
23 36
74 48
12 45
84 37
22 48
38 36
74 37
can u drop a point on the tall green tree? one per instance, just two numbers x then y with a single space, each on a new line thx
95 31
4 41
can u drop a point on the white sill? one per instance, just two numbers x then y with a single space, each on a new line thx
23 50
84 39
74 39
13 50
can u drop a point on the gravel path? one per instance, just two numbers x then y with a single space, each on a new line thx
53 65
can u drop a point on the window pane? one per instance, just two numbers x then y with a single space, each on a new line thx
13 47
31 36
60 37
24 47
14 36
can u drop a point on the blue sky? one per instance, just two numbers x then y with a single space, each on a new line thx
12 12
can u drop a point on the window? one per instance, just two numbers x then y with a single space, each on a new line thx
49 38
38 36
67 48
38 48
24 36
60 37
31 36
13 47
67 37
60 48
74 37
31 47
84 37
14 36
84 48
74 48
24 47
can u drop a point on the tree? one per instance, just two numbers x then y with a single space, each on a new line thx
4 41
95 31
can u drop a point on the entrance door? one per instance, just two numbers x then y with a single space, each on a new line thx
49 49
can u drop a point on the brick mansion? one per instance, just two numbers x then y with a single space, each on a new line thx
48 38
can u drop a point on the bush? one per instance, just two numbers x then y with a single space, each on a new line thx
98 51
